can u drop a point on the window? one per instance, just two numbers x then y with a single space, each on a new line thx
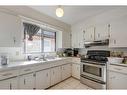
43 41
49 41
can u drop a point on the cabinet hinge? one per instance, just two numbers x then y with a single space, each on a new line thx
34 75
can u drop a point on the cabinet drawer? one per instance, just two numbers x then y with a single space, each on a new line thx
42 66
56 63
119 69
8 74
26 70
76 60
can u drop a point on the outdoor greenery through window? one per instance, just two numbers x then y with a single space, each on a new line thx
42 41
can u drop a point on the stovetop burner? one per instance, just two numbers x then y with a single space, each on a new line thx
97 56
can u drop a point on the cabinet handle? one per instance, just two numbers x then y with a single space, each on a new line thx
47 74
10 86
34 75
53 72
24 81
114 41
14 39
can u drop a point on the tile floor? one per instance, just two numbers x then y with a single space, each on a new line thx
70 84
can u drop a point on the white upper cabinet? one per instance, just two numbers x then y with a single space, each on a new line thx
102 31
10 30
118 33
88 34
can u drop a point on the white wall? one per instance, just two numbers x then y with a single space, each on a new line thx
103 18
16 53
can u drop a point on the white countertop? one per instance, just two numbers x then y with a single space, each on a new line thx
121 64
17 64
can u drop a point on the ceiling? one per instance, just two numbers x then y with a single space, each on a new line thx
72 14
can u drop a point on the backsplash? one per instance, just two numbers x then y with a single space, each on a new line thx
16 53
84 50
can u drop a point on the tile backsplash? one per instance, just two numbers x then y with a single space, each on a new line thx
16 53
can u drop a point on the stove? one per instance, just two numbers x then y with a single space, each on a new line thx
93 68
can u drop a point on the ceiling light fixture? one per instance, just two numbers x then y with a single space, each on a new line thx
59 11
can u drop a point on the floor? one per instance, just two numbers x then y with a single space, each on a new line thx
70 83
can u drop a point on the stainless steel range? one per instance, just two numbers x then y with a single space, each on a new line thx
93 68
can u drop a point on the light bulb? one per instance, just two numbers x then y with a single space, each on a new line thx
59 12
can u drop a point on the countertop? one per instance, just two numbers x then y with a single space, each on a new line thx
16 64
121 64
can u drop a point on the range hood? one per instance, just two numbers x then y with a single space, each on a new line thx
96 43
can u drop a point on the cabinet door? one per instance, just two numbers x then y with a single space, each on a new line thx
43 79
74 38
9 84
89 34
117 80
55 75
118 33
27 81
10 30
102 32
76 71
66 71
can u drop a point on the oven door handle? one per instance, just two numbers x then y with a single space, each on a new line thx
89 64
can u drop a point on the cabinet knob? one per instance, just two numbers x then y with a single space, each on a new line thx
47 74
24 81
114 41
14 39
10 86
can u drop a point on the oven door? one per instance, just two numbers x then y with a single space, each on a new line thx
94 71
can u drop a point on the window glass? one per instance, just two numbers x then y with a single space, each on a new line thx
34 46
49 41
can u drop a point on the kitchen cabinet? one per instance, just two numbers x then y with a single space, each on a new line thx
118 32
117 80
102 31
43 79
89 34
77 37
27 81
66 71
55 75
76 70
11 83
10 30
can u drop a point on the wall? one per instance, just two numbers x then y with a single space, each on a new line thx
103 18
16 53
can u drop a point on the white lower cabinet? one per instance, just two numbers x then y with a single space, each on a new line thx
117 80
76 70
43 79
55 75
11 83
66 71
27 81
